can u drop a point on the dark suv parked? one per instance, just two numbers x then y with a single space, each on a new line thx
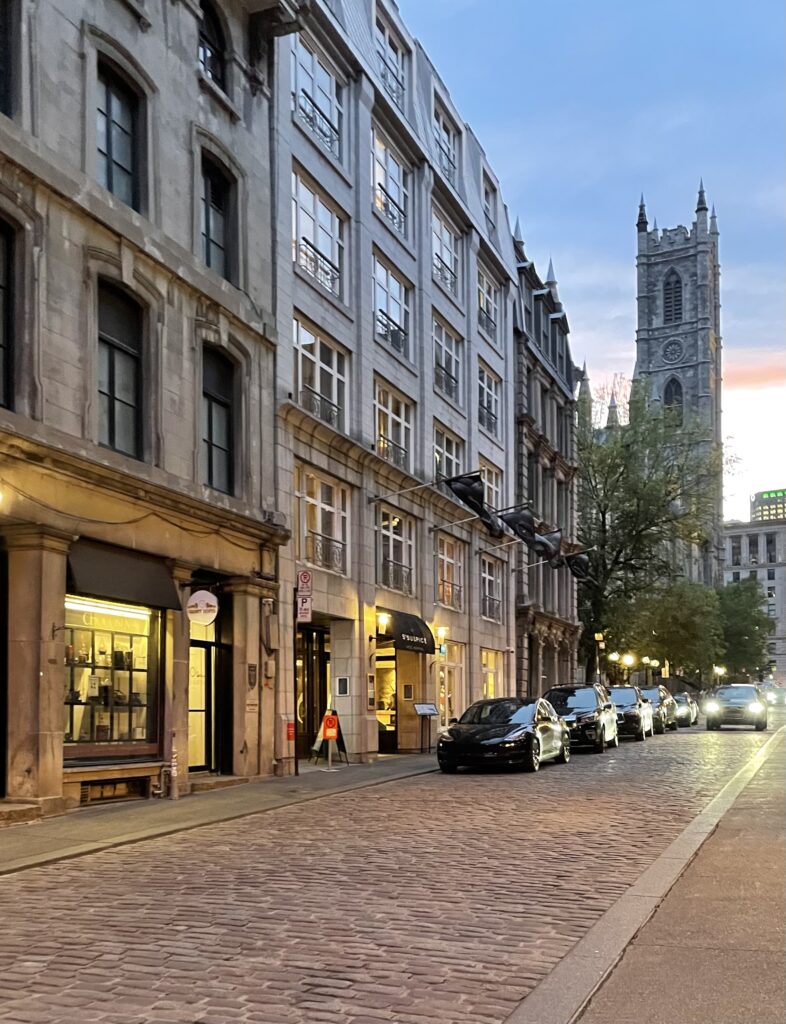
664 708
589 714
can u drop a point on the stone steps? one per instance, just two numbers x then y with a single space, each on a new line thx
209 782
14 812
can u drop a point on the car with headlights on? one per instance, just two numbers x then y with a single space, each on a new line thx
737 704
589 714
516 731
664 708
634 712
775 694
687 709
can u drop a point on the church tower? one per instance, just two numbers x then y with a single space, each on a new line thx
678 339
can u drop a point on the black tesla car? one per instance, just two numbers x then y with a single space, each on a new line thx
507 731
737 704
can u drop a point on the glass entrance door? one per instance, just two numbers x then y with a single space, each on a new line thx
386 690
312 665
201 707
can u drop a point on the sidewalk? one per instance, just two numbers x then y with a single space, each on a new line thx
713 952
98 828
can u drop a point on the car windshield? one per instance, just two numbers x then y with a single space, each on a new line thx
736 692
653 693
579 699
498 712
622 695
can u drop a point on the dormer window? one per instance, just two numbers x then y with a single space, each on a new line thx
489 202
212 46
446 139
391 57
317 96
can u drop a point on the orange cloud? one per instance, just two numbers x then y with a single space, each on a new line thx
758 373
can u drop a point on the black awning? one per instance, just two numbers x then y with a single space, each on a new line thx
98 570
410 633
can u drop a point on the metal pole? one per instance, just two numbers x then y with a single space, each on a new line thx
418 487
294 674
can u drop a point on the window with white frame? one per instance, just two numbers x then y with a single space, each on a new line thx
488 304
448 453
391 307
489 202
445 250
448 348
491 588
317 235
489 386
492 484
452 697
394 416
391 60
450 572
317 96
396 547
446 138
323 520
320 375
491 672
390 181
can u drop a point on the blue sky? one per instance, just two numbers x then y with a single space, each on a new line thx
580 107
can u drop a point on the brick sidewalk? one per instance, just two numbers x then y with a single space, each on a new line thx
713 953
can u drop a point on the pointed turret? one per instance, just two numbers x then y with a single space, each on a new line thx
702 203
641 223
551 281
584 400
613 418
713 222
517 235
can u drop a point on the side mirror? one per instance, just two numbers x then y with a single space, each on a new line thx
453 721
646 700
608 706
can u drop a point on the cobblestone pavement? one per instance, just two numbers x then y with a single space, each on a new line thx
434 898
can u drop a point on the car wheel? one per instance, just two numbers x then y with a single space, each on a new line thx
564 755
659 727
674 725
761 726
711 726
448 769
600 743
532 757
616 742
641 735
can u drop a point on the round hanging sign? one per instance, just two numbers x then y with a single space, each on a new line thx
202 607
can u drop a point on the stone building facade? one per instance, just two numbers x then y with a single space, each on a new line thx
547 626
137 454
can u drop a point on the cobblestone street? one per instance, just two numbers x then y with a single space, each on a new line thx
432 898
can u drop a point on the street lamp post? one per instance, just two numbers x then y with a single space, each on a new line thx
646 662
614 658
599 645
628 660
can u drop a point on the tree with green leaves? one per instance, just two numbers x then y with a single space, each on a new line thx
647 492
679 623
745 629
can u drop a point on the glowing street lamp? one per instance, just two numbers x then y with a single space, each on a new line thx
719 671
628 660
614 656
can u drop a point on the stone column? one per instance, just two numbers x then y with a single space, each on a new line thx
252 702
37 558
176 706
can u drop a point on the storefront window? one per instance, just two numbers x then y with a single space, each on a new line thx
111 681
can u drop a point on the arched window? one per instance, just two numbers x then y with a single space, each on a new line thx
218 381
119 371
6 313
672 298
672 400
212 45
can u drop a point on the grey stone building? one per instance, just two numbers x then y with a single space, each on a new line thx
396 282
757 550
137 457
678 344
547 625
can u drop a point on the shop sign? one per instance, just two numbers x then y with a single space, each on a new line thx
202 608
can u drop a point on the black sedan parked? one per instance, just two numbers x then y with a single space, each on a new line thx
634 712
687 709
506 731
589 714
737 704
664 708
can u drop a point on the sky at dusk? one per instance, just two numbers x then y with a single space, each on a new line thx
582 106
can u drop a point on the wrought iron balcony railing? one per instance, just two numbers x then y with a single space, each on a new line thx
445 273
322 269
391 79
321 407
487 419
396 576
393 333
326 552
395 213
450 594
491 608
392 452
318 123
446 382
487 322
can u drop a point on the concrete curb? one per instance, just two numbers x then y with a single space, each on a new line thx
564 993
157 831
